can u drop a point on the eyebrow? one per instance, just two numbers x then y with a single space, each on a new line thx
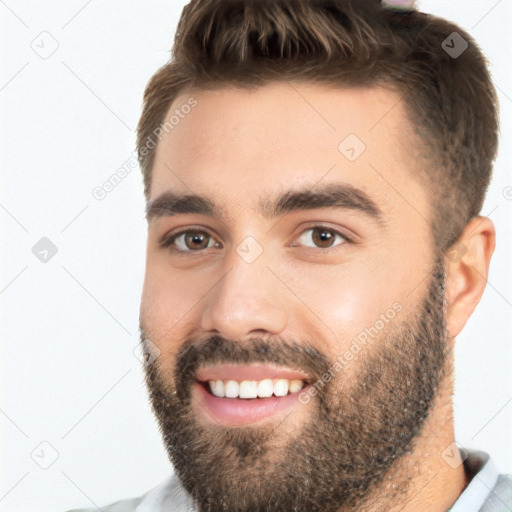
339 195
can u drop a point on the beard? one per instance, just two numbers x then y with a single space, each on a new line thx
357 427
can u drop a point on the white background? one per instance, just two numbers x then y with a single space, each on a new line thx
69 326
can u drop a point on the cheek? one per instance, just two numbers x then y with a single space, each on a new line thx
167 315
346 301
359 300
169 300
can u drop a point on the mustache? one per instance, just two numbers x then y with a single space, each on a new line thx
216 349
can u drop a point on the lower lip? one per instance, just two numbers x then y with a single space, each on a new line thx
240 411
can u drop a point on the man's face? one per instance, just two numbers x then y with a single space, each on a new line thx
337 287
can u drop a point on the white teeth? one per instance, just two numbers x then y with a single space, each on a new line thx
295 385
254 389
231 389
281 387
217 388
248 389
265 388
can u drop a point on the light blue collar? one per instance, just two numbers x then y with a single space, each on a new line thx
480 465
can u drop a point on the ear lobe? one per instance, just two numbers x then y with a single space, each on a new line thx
467 268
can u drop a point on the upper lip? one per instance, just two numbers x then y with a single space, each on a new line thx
249 372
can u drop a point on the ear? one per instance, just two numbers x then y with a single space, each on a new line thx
467 267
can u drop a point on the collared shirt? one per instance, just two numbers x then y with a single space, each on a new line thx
487 491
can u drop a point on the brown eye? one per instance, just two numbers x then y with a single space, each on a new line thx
196 240
322 237
189 241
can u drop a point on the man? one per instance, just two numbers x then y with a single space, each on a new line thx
314 173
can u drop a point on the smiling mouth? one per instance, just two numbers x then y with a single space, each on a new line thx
253 389
238 395
251 381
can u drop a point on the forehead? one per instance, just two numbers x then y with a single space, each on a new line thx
240 145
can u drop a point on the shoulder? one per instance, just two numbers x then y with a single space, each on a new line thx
168 493
500 496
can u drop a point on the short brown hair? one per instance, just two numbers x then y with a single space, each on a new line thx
451 100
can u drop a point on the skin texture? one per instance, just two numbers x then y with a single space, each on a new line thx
374 437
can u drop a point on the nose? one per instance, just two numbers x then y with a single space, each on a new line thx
247 301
